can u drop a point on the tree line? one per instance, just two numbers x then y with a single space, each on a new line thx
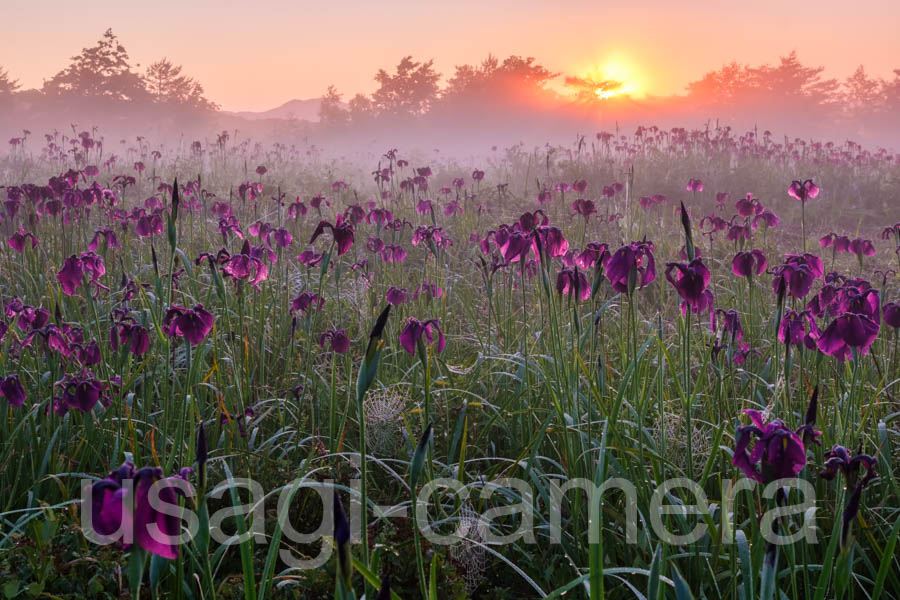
104 72
787 91
492 93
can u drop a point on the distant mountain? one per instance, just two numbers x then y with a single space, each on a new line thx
299 110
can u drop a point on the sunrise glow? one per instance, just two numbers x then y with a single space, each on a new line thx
291 289
619 71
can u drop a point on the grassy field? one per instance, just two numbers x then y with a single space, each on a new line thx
556 322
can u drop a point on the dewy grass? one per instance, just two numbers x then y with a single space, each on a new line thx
540 371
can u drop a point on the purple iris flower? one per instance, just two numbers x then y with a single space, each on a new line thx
17 241
192 324
69 276
309 258
412 333
694 185
11 389
243 266
690 281
30 318
305 300
840 243
429 289
431 236
798 328
75 268
297 209
572 282
848 331
892 314
803 191
631 267
149 225
396 296
778 453
731 323
341 231
283 237
134 336
108 234
742 352
115 511
861 247
749 264
453 208
748 206
797 274
857 324
595 254
716 224
354 214
380 216
737 232
553 240
767 217
424 207
392 253
515 245
81 392
340 343
585 208
839 459
90 354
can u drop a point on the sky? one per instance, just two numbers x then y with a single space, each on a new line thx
255 55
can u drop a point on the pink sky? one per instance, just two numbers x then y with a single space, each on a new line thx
258 54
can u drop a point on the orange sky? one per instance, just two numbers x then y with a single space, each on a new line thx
255 55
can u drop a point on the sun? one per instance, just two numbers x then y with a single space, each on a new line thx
616 77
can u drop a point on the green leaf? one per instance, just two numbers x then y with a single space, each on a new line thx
135 570
370 576
767 577
747 574
887 559
247 544
158 566
418 461
653 583
432 579
825 575
682 591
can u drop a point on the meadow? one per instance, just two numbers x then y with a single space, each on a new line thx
291 334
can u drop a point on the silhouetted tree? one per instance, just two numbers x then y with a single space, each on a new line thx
790 80
892 93
331 112
410 91
788 85
722 87
590 90
102 70
516 79
862 93
360 108
8 86
167 85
